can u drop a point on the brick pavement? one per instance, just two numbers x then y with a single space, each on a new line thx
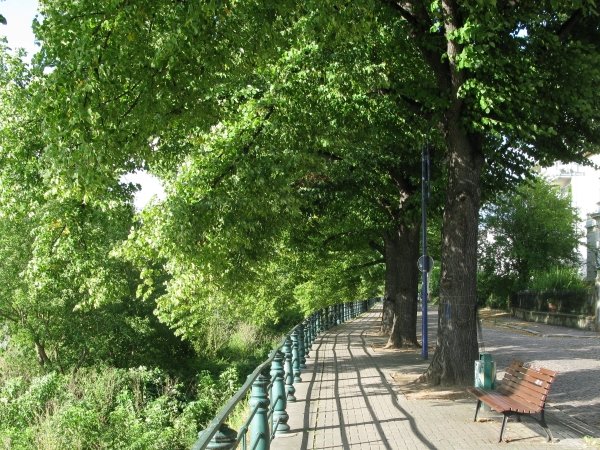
348 400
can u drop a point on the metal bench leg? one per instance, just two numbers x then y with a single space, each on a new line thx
545 426
503 425
477 410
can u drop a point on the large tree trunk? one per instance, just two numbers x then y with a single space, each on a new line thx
387 317
456 350
391 252
402 268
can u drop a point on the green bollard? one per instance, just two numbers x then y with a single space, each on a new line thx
259 426
296 357
301 348
278 395
290 390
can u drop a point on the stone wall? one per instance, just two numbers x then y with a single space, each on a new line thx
566 320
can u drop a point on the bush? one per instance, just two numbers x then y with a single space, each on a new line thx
561 287
557 279
109 408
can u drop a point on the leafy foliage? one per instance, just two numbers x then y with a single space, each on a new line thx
111 408
531 230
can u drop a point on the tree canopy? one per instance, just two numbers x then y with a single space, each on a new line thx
531 229
288 135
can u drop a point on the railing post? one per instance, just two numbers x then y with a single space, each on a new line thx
317 325
259 427
301 346
290 390
307 341
308 330
278 395
296 356
224 439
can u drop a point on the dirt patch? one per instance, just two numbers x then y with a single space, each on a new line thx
381 348
498 319
415 390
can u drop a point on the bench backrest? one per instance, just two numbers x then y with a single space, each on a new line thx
527 385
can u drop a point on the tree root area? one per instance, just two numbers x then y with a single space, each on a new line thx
411 386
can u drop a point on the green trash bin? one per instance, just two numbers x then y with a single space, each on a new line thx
485 372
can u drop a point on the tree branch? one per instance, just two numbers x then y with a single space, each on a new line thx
367 264
377 247
567 28
244 150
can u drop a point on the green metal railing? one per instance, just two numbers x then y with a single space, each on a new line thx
271 385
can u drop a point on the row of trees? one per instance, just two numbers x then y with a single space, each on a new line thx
288 137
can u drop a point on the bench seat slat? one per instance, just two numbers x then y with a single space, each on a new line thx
523 394
523 390
531 375
539 372
502 404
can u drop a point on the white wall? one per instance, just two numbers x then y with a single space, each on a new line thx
584 184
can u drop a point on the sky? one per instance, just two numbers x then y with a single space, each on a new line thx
19 14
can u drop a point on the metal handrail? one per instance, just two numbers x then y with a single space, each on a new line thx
316 323
213 426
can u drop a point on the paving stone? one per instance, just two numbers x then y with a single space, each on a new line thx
349 400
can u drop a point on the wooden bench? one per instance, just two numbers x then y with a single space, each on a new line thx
523 391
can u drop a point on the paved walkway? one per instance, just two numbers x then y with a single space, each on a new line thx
348 400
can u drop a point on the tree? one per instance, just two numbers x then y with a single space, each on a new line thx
476 73
63 295
486 60
531 229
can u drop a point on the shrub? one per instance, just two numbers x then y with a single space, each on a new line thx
557 279
109 408
560 286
